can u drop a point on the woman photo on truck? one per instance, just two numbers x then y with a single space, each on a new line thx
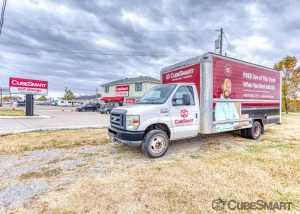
225 109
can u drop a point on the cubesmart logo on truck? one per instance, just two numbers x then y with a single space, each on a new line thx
188 74
184 114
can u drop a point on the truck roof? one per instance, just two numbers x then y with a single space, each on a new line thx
198 59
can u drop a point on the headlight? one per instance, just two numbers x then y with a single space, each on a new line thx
132 122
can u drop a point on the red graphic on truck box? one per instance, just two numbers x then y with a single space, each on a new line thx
189 74
245 81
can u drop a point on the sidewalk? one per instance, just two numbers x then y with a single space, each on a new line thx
54 118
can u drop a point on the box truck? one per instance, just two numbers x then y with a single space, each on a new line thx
203 95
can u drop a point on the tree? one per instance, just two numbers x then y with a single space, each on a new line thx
6 98
42 98
291 78
69 95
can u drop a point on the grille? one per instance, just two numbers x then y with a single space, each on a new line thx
117 120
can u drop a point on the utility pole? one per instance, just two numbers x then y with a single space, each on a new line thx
221 41
2 15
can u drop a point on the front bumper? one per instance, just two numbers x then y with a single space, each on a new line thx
130 138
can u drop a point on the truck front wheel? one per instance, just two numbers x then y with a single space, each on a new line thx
156 143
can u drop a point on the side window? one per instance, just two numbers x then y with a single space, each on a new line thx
184 96
138 86
106 88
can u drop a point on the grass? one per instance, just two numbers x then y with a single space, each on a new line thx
222 166
44 172
9 112
18 143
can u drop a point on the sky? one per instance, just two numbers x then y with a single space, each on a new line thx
82 44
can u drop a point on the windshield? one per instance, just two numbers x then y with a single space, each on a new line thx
157 95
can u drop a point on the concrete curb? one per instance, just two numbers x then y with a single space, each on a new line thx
50 129
26 117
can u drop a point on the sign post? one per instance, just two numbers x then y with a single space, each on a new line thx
29 105
30 88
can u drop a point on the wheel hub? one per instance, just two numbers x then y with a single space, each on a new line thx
157 144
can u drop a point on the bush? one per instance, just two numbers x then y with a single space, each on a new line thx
294 105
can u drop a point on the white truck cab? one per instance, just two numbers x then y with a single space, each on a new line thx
202 95
166 112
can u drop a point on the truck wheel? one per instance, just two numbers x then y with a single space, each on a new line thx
156 143
244 133
255 131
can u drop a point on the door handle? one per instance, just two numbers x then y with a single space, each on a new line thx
196 115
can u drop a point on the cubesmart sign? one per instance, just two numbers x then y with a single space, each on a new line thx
188 74
28 86
122 90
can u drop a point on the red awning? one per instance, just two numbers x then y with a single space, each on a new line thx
113 99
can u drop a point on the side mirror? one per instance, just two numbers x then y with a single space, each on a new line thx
186 99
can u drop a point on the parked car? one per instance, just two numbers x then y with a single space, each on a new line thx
88 107
20 103
105 109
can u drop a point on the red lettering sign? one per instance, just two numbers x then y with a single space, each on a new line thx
236 80
122 88
28 86
189 74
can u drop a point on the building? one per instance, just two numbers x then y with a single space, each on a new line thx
126 91
86 99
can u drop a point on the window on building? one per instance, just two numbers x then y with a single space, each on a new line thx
138 86
106 89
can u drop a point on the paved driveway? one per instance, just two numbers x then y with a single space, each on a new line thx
57 119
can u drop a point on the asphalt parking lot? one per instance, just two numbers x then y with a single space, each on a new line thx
56 118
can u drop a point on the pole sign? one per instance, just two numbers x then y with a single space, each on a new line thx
28 86
122 90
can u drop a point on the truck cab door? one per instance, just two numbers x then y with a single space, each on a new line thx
185 112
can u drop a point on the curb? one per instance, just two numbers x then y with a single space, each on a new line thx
26 117
51 129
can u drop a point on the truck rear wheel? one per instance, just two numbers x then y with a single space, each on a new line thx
156 143
254 132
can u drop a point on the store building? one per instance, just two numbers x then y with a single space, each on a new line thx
127 91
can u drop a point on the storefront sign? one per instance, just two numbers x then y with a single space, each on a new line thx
28 86
130 100
122 90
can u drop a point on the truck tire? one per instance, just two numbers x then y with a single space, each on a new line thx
255 131
156 143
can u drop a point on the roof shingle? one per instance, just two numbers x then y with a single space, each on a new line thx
132 80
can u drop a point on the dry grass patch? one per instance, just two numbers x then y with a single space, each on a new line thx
9 112
44 172
224 166
51 139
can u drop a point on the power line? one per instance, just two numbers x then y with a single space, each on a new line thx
2 15
63 29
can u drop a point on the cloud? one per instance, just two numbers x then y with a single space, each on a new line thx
82 44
